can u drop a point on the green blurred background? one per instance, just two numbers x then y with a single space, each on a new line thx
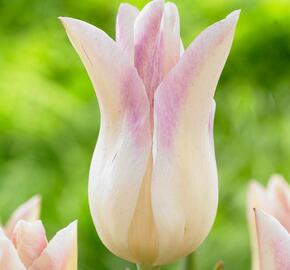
49 115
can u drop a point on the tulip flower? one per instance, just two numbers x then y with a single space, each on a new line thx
29 250
275 200
273 242
28 211
153 188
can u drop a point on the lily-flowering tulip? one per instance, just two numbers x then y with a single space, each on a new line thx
29 250
28 211
273 242
153 188
275 200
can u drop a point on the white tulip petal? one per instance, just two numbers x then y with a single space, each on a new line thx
184 184
122 153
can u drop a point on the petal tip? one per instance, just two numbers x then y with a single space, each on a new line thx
234 16
72 227
36 199
64 21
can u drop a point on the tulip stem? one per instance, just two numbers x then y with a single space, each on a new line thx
147 267
189 262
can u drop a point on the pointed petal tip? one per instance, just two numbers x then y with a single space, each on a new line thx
69 23
235 13
253 184
276 179
72 227
64 20
36 199
233 17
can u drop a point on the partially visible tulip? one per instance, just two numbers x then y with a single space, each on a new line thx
275 200
29 250
153 188
29 211
273 242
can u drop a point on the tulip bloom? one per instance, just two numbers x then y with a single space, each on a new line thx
28 249
273 242
275 200
153 188
29 211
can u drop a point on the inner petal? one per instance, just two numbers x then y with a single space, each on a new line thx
157 44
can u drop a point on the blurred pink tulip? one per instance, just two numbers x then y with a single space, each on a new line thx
153 188
273 242
29 211
28 249
275 200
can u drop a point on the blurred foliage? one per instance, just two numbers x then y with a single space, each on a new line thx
49 115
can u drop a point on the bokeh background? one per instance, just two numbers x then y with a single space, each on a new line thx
49 117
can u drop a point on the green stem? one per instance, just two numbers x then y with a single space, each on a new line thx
147 267
189 262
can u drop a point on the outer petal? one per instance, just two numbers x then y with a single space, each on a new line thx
30 240
61 252
122 153
9 259
125 29
184 185
157 43
256 198
28 211
274 243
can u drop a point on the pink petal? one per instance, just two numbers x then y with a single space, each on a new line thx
184 182
125 29
28 211
30 240
157 43
61 252
274 243
9 259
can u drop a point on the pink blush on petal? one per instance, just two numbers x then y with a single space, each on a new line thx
171 96
136 107
282 259
167 110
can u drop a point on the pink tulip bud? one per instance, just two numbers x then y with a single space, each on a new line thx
29 211
29 250
153 188
275 200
